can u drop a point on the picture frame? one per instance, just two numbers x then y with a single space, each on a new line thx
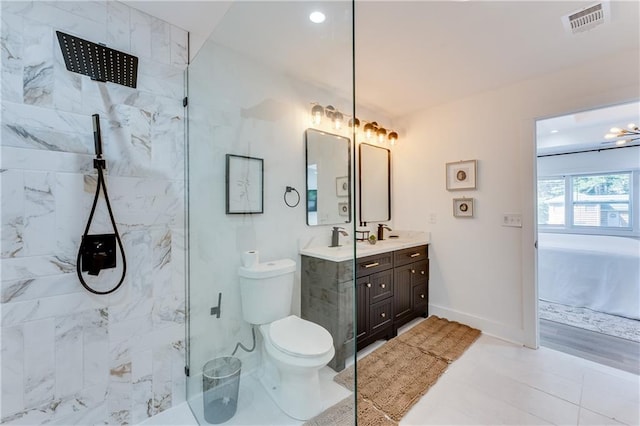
461 175
342 186
343 209
463 207
244 184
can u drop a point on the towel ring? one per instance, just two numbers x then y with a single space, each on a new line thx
288 190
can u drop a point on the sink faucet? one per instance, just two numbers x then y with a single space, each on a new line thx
335 236
381 228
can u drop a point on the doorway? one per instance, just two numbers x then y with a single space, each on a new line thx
589 235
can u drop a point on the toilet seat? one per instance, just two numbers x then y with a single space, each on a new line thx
300 338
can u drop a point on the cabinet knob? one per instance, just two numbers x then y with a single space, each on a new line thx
413 271
422 296
383 285
383 315
368 285
422 272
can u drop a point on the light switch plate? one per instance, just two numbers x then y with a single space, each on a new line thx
512 219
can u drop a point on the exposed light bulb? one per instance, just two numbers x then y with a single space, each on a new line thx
337 120
615 130
632 126
368 130
316 114
621 142
393 138
610 136
382 133
354 122
317 17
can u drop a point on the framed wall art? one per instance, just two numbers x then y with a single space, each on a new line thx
461 175
245 185
342 186
343 209
463 207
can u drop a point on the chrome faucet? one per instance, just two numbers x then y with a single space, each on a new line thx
335 236
381 228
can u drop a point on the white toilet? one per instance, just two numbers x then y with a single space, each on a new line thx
294 349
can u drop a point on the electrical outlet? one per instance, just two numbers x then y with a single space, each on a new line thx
512 219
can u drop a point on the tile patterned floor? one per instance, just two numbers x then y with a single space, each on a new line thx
496 382
612 325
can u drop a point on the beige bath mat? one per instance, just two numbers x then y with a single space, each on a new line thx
342 414
440 337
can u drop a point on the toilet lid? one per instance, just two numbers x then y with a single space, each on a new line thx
299 337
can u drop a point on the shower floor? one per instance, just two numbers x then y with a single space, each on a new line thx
255 407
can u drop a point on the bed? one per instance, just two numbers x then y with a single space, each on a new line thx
598 272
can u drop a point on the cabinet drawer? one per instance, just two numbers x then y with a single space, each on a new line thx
410 255
420 271
380 285
381 315
420 296
372 264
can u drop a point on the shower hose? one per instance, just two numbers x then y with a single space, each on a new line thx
99 164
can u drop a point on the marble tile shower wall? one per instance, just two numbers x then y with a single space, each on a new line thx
70 357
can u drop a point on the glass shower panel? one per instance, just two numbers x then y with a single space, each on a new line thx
252 86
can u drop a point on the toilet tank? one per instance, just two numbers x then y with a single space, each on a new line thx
266 290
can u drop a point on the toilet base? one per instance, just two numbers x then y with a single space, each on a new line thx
297 393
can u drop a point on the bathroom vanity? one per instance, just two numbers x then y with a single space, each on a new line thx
391 289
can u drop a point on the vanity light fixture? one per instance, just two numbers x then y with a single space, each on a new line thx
631 131
337 118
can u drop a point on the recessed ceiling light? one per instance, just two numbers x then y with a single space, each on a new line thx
317 17
554 131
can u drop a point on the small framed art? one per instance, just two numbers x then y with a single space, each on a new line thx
342 186
343 209
463 207
245 185
461 175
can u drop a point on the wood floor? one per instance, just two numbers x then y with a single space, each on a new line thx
609 350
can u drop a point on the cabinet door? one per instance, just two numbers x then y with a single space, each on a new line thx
402 291
420 298
362 307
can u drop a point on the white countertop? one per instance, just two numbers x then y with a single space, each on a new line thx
363 248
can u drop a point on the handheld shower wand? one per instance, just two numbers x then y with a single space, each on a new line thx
98 252
97 137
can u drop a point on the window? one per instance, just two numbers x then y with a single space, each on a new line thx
594 203
551 201
601 200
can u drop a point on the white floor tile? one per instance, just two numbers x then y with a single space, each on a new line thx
589 418
612 396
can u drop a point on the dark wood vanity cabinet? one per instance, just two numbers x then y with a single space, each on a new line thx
391 289
410 283
374 295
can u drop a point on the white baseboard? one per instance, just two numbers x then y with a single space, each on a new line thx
492 328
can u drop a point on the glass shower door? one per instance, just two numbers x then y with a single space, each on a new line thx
251 88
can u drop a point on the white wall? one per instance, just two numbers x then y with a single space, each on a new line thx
481 272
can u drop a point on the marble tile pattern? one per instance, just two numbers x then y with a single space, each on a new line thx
68 356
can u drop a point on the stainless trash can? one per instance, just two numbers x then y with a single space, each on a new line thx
220 383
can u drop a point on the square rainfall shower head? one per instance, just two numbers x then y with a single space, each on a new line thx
97 61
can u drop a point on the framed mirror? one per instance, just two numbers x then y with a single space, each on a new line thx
328 178
374 174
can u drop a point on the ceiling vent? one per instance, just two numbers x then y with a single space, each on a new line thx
587 18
